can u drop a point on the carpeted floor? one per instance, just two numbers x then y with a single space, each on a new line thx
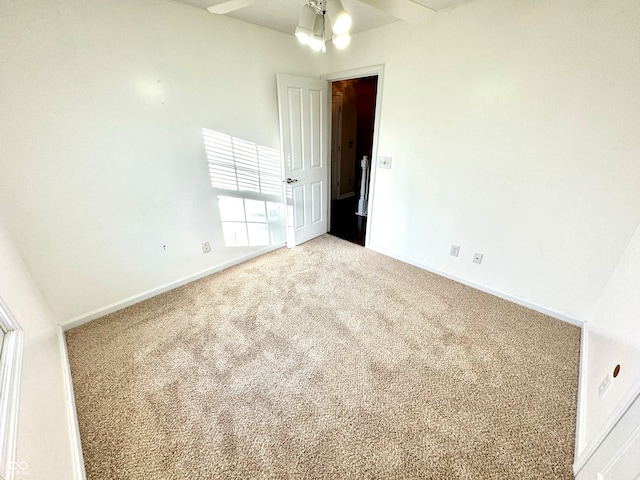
327 361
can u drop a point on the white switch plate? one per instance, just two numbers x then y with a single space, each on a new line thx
384 162
477 258
455 250
604 385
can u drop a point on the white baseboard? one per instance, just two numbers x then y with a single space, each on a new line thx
484 288
114 307
74 428
582 393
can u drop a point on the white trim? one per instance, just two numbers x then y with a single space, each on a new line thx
484 288
361 72
119 305
582 392
374 70
338 137
10 370
607 427
78 460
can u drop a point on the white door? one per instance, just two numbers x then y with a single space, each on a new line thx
303 104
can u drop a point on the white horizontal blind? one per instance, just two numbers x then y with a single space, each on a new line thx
242 166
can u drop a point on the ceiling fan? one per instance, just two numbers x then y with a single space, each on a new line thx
312 27
407 10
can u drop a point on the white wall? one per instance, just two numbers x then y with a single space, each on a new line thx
102 152
614 339
44 441
514 129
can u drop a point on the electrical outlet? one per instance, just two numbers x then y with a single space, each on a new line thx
455 250
206 248
384 162
477 257
604 385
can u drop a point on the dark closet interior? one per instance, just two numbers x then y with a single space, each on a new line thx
354 106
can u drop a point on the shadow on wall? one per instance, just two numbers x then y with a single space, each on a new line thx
248 183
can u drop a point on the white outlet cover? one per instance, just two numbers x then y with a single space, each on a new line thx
455 250
384 162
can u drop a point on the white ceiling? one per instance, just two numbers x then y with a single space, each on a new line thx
282 15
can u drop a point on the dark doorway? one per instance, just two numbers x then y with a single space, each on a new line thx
353 118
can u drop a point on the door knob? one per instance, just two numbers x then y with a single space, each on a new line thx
292 180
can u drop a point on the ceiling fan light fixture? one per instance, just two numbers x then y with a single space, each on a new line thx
306 24
303 35
341 41
316 41
316 44
312 26
340 18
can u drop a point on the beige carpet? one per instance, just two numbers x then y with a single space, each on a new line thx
328 361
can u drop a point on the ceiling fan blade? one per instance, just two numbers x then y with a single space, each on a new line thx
407 10
231 6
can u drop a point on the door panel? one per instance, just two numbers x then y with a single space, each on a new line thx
303 105
316 202
295 128
315 104
298 207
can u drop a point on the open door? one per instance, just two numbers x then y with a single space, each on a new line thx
303 105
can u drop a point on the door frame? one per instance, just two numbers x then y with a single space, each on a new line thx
10 370
331 142
371 71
